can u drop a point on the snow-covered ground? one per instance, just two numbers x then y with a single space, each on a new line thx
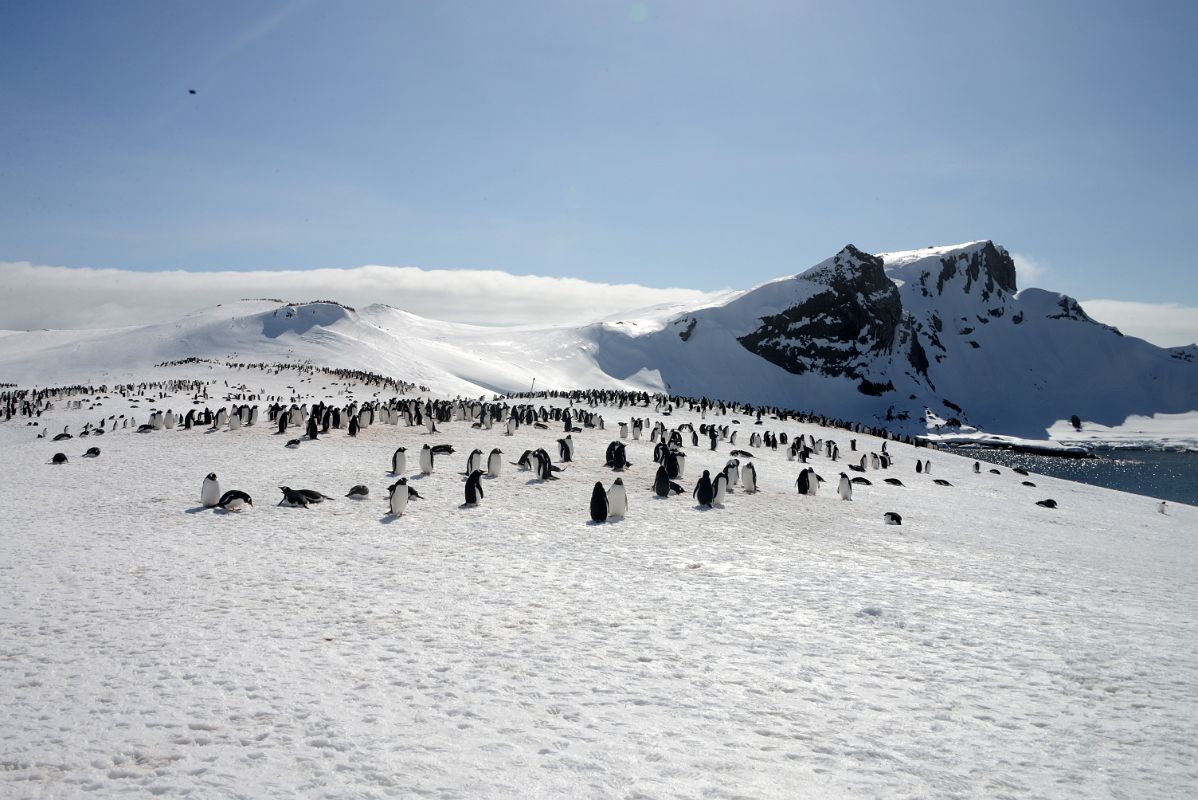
780 646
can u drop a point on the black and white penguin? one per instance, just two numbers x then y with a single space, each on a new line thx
565 449
474 461
282 424
1049 503
474 488
354 425
398 497
292 499
977 468
234 500
210 491
311 496
64 435
748 478
918 466
719 488
807 482
704 492
845 488
313 428
92 452
293 444
1163 507
941 482
58 458
495 463
892 518
426 460
617 500
399 461
358 492
599 507
661 483
893 481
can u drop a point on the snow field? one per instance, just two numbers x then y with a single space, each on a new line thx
781 646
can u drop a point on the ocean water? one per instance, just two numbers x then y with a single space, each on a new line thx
1165 474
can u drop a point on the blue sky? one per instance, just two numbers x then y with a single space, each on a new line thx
693 144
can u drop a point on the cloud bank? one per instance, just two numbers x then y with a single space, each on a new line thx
81 297
1164 324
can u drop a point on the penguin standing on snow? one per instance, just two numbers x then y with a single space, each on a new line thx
977 468
313 431
704 492
399 461
599 507
719 488
426 460
474 488
661 483
354 426
748 478
474 461
495 463
398 498
210 491
845 488
807 482
617 500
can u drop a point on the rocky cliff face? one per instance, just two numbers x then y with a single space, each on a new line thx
839 331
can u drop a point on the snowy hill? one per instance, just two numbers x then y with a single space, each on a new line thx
910 340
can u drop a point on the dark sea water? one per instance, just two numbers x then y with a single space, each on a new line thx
1166 474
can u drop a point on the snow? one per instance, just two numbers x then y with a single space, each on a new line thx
780 646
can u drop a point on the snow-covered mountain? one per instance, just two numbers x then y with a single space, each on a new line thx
908 339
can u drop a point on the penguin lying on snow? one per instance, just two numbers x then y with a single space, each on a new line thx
59 458
941 482
1049 503
301 498
234 500
358 492
892 518
92 452
893 481
292 444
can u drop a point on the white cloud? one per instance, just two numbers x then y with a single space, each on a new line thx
82 297
1164 324
1028 271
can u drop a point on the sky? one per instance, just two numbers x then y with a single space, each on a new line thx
693 145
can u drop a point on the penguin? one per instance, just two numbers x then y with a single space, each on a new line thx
398 499
977 468
358 492
892 518
1049 503
1019 471
310 495
704 492
474 488
292 499
1029 483
893 481
661 483
719 488
1163 507
313 430
234 500
64 435
918 466
617 500
599 506
399 461
474 461
565 449
808 482
941 482
59 458
845 489
354 426
748 478
426 460
863 481
293 444
282 424
495 463
210 491
92 452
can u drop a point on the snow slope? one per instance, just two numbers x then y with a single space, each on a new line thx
780 646
909 340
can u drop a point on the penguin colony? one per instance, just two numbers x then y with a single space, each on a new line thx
663 479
